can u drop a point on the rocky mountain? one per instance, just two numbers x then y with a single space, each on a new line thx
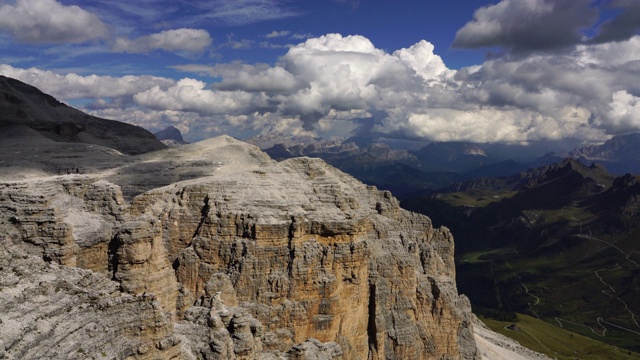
456 157
619 154
256 257
618 147
214 250
170 136
25 107
558 242
333 149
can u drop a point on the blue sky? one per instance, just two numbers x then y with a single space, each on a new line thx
258 34
514 71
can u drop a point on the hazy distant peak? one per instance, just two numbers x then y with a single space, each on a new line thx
474 150
266 141
170 136
618 147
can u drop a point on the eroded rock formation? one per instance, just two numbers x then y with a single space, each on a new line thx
242 258
50 311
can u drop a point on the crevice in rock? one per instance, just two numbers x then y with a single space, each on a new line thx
204 213
292 252
435 291
113 258
371 324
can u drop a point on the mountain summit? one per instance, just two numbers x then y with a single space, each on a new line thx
170 136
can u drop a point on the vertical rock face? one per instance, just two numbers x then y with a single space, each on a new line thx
312 253
139 262
258 259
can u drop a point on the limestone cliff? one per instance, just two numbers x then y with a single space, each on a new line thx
312 253
226 254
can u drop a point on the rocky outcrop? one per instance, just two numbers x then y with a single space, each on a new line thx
67 220
618 154
616 148
312 253
246 259
48 311
138 261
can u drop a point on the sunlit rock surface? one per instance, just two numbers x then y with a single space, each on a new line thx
213 250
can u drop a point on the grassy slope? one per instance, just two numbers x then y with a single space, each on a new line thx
553 290
557 342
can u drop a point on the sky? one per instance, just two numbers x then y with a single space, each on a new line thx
501 71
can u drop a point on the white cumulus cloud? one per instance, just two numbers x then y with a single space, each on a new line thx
48 21
623 114
74 86
255 78
610 54
329 85
190 95
421 59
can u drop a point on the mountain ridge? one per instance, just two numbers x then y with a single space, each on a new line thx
619 154
22 105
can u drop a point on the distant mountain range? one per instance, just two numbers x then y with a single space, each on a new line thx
405 172
437 165
559 242
374 163
620 154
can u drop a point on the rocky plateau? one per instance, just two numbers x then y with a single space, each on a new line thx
213 250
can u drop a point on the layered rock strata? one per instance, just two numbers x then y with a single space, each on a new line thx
312 253
48 311
246 258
